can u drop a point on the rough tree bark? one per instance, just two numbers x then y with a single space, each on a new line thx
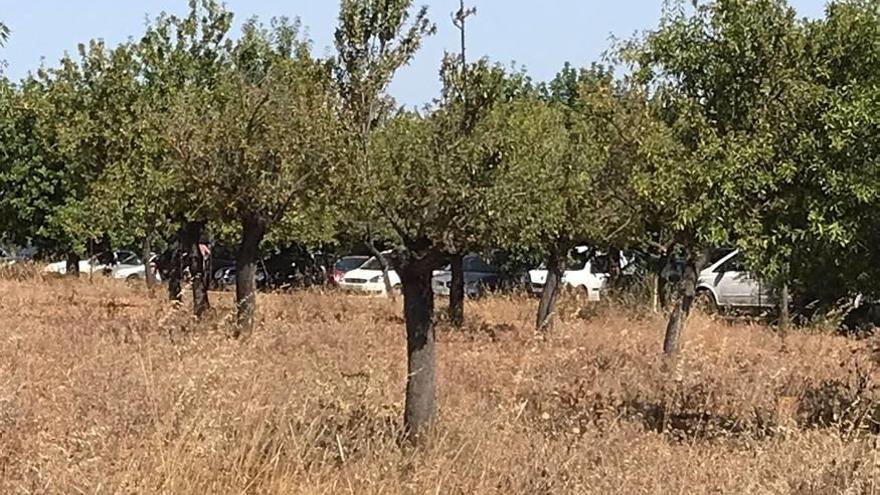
72 264
614 269
418 309
784 316
175 274
190 236
253 228
149 276
678 318
654 288
552 285
456 292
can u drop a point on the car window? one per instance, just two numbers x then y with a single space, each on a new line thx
127 258
599 264
577 261
716 255
476 264
105 258
734 264
350 263
372 264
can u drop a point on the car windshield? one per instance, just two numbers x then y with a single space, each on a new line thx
476 264
372 264
350 263
717 254
599 264
128 258
577 261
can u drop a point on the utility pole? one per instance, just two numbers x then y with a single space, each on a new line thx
456 292
459 19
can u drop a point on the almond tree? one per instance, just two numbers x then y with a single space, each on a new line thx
374 39
728 85
583 196
259 143
145 196
468 95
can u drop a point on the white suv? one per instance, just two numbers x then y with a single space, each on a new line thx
727 284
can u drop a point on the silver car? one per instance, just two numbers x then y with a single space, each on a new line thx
727 284
479 277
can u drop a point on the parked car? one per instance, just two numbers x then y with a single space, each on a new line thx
6 258
131 270
727 284
280 269
344 265
479 277
583 272
121 264
368 278
224 278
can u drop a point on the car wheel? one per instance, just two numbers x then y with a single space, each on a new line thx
705 302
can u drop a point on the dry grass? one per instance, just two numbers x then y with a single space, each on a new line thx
106 390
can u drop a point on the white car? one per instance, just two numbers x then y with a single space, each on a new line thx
726 283
582 273
368 278
6 258
118 264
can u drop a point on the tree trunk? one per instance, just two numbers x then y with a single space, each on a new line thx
654 289
552 285
456 292
191 235
175 274
678 318
614 269
252 231
784 316
149 276
418 310
72 264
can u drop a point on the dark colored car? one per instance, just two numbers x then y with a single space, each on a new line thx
479 277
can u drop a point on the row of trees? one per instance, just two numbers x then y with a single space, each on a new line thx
733 123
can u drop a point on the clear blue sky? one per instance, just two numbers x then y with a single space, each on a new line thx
540 35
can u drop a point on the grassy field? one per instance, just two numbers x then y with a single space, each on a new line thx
104 389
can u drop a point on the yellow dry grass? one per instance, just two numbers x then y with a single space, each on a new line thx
104 389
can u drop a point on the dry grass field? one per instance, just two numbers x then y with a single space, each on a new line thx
106 390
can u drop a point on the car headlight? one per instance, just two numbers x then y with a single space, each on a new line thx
376 280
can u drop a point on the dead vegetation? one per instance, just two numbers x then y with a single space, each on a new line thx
104 389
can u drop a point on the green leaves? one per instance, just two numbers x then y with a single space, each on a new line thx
262 135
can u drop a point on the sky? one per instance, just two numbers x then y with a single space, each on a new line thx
538 35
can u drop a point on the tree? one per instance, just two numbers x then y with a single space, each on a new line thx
374 39
259 144
173 55
583 195
467 97
66 122
4 33
727 79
